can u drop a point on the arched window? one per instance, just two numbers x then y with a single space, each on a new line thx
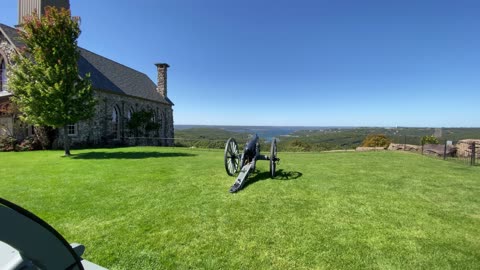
3 74
116 121
129 117
130 113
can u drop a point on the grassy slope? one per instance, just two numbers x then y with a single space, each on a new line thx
151 208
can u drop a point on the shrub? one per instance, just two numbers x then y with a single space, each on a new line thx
430 140
376 140
28 144
7 143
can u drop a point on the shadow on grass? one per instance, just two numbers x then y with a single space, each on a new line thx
128 155
281 175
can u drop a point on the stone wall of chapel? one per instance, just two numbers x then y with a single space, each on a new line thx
99 130
7 52
6 49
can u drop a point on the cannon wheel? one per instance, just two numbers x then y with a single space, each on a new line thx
231 157
273 158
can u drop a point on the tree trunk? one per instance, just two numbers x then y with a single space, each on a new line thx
66 141
45 135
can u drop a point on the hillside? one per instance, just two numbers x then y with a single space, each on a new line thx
206 137
321 139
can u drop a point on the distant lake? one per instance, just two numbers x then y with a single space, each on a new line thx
264 132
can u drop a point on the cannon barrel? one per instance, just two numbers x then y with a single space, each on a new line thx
251 146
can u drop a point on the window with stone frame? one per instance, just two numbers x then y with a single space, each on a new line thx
154 116
116 122
72 130
3 74
31 131
129 117
130 113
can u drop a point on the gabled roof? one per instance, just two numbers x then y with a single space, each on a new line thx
11 34
105 74
111 76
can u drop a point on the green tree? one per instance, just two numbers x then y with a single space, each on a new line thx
45 77
376 140
429 140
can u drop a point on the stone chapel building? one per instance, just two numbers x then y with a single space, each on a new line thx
120 91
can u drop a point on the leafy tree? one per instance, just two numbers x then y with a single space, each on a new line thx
429 140
376 140
141 122
45 78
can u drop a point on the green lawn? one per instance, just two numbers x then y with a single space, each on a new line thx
169 208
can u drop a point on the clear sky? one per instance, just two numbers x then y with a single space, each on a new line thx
302 63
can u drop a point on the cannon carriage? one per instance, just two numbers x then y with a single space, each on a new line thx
245 163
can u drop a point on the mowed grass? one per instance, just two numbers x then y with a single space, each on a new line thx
169 208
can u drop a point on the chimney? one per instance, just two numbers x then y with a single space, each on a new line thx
26 7
162 79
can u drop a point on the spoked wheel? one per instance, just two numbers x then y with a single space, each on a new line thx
273 158
231 157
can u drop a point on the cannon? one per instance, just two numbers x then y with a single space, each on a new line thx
245 162
28 242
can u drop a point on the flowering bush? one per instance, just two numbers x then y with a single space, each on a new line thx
7 143
28 144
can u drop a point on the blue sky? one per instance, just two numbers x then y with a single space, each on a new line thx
302 63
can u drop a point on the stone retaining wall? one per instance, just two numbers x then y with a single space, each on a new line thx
464 147
405 147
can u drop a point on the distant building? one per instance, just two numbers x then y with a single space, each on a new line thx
120 92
